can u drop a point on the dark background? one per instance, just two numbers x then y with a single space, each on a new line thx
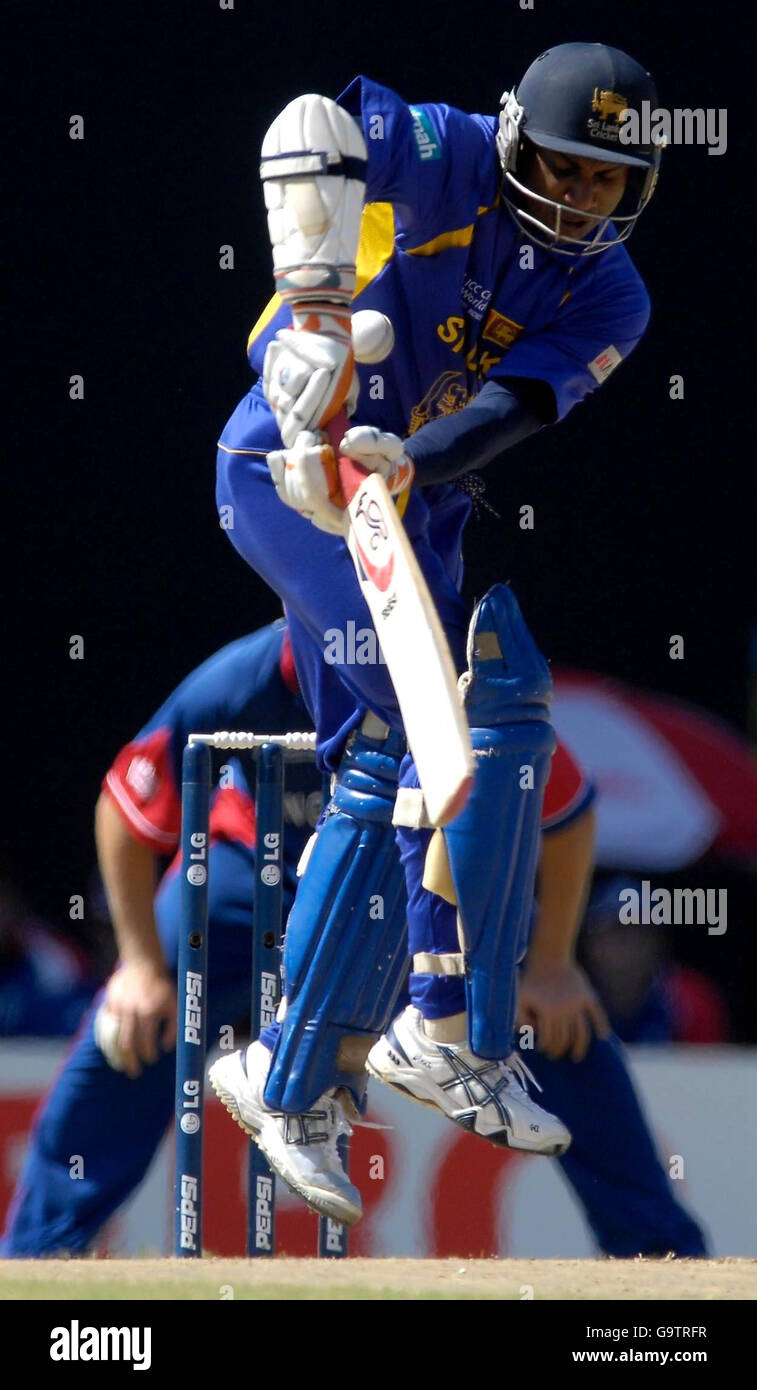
642 503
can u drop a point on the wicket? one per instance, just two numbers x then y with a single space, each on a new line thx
270 752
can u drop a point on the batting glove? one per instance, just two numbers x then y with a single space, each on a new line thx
306 478
309 373
379 452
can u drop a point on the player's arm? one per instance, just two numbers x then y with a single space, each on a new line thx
313 168
555 997
538 382
501 415
129 872
140 998
137 822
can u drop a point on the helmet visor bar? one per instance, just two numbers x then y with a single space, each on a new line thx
576 150
562 208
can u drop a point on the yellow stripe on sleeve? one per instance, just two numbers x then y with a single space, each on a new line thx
271 308
374 250
461 236
376 243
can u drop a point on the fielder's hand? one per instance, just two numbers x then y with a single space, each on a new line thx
306 479
562 1008
382 453
137 1018
309 373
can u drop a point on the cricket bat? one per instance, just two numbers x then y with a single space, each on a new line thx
411 636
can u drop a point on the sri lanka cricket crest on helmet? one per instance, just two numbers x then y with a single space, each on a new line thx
609 109
573 99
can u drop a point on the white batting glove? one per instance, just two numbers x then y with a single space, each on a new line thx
380 452
306 478
309 373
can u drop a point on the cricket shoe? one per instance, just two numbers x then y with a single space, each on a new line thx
302 1149
486 1098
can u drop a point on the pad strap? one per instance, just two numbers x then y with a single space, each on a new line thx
448 963
301 163
410 809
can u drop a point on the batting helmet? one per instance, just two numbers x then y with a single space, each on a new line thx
573 100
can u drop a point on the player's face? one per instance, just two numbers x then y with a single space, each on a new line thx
580 185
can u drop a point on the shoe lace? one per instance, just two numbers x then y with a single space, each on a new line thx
523 1074
494 1078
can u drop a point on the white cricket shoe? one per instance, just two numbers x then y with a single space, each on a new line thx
300 1148
486 1098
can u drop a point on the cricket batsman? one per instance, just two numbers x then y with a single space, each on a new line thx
494 246
113 1098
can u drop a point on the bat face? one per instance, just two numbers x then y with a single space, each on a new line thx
371 538
412 638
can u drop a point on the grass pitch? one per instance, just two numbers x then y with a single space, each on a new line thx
392 1280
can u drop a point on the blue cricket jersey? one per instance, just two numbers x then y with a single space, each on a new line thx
470 298
442 257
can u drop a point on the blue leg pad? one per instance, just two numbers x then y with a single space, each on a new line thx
493 846
345 944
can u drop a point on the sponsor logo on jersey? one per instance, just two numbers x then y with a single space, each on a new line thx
142 777
501 330
423 132
475 297
610 108
605 363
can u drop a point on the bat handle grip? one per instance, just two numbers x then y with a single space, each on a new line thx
351 475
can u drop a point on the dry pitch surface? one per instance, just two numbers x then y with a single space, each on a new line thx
378 1279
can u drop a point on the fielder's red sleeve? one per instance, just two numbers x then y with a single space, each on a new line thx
141 783
568 791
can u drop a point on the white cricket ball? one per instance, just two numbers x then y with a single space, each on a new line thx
372 335
106 1029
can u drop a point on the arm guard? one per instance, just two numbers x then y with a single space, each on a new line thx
313 168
